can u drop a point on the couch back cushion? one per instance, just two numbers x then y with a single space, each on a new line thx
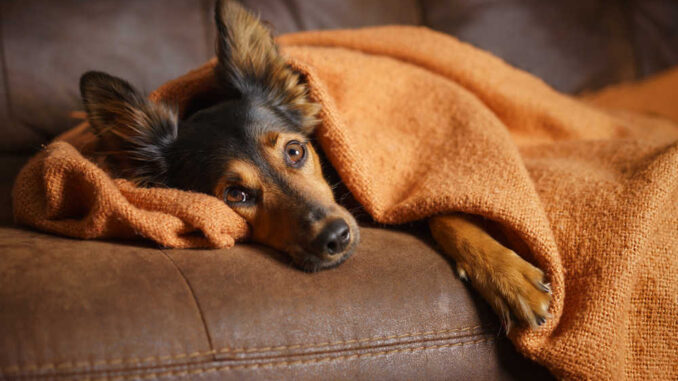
574 45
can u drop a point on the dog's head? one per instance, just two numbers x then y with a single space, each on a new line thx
251 149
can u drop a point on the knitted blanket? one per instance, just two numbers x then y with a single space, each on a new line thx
417 123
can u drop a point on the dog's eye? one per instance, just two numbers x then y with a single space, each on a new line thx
295 154
236 195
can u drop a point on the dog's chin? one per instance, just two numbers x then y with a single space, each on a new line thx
311 263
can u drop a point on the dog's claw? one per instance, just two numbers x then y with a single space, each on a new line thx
519 289
546 287
462 274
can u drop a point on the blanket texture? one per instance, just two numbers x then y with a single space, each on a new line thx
417 123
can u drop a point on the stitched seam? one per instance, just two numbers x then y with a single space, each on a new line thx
134 360
195 299
291 363
354 341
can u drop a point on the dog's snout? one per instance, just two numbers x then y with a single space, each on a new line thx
334 238
316 214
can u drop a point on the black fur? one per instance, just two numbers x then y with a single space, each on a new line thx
258 93
137 131
214 136
261 93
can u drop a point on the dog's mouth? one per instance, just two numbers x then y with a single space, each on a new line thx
311 262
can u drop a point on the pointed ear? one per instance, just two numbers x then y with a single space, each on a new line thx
249 64
136 131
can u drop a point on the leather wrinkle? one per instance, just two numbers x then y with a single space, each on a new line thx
195 299
273 364
4 73
421 13
76 365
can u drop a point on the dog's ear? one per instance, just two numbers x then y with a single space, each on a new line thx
136 132
250 65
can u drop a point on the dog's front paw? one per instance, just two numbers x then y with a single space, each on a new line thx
513 287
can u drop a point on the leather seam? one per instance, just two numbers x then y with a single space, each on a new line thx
4 72
195 299
343 342
67 365
274 364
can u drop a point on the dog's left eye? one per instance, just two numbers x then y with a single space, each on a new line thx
295 154
236 195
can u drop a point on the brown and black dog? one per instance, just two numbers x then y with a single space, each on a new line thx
252 150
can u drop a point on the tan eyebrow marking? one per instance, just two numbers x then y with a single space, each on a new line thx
271 139
238 172
232 177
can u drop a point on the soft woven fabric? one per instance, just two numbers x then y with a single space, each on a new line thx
60 191
417 123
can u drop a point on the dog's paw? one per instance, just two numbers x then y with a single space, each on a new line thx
514 288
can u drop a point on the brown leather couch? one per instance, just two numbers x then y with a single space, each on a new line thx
126 310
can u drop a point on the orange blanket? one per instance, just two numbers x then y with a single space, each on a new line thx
418 123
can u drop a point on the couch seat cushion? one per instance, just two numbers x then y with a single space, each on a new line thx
104 309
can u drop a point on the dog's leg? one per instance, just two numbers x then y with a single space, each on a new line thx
510 284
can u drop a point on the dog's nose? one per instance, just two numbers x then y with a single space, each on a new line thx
334 238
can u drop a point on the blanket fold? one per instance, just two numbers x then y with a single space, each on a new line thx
417 123
62 192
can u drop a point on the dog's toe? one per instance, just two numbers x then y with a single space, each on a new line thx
521 289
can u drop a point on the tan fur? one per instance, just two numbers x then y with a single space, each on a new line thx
240 173
270 218
309 177
510 284
253 53
270 139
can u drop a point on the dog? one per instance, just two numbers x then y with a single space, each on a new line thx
252 149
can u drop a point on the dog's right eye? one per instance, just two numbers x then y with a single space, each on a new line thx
236 195
295 154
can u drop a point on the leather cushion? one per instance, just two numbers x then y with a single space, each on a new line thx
49 44
574 45
91 308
